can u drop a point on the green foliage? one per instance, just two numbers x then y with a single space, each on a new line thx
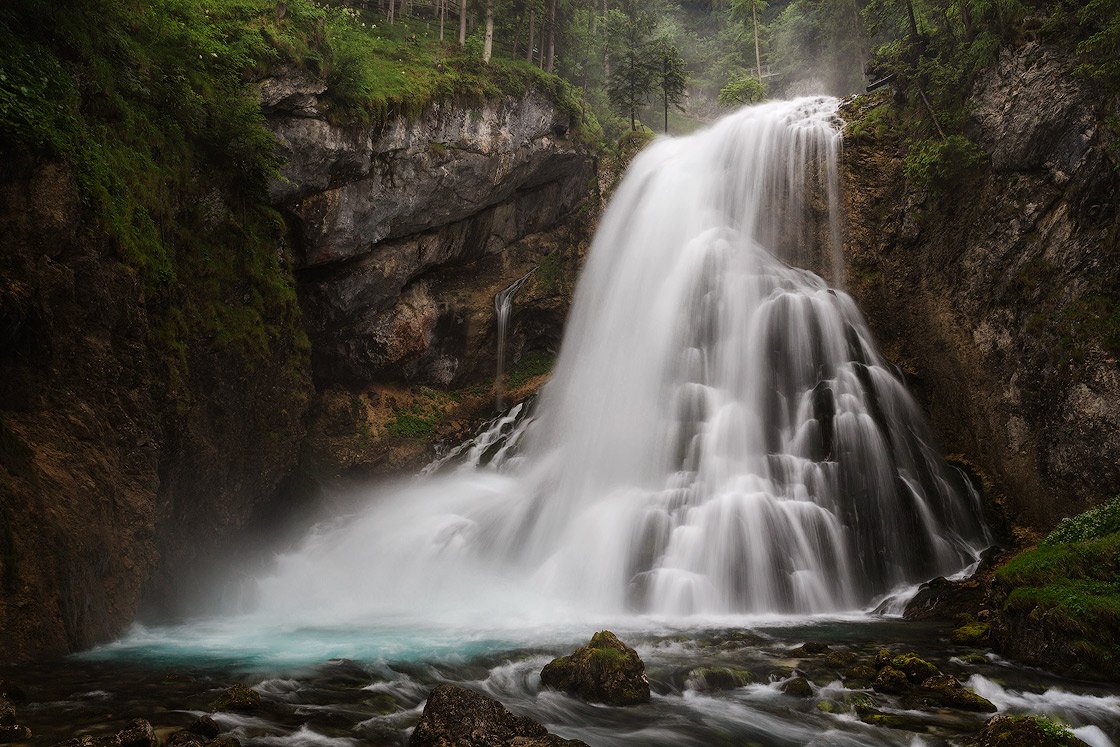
669 74
744 88
819 41
633 73
532 364
1072 581
941 163
420 416
1092 524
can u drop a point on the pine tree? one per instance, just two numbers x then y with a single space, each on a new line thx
632 77
670 75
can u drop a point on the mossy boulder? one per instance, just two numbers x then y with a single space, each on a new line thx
914 667
859 674
944 691
238 698
605 671
901 721
1025 731
719 678
970 634
892 681
811 648
798 687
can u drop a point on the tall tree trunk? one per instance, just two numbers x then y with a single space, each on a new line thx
488 42
442 17
966 17
392 5
913 18
606 46
532 28
540 43
757 51
551 35
462 23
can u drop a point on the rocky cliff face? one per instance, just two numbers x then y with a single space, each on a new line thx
998 296
126 460
131 460
404 230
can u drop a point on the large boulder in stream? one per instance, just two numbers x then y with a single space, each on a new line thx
1025 731
457 717
605 671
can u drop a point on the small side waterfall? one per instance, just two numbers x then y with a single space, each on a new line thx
503 307
720 435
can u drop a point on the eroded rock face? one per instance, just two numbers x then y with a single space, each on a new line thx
605 671
997 296
394 223
456 716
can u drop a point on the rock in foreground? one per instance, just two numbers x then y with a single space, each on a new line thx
605 671
1025 731
457 717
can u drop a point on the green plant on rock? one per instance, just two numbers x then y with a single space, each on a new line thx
942 163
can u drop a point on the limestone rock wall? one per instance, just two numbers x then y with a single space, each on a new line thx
998 297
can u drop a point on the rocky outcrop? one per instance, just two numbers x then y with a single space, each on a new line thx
457 716
405 231
997 296
605 671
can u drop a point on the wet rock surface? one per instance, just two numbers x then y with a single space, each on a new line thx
994 297
456 716
1025 731
390 219
605 671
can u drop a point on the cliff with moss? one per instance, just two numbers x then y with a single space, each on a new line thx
178 183
986 262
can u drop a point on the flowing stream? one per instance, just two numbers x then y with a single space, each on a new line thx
721 447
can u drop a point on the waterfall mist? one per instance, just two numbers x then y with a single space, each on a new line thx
720 436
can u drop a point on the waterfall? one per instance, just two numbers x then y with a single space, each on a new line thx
720 435
503 307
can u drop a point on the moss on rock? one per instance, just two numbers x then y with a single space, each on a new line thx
605 671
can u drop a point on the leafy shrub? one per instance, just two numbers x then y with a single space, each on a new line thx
743 88
941 163
1093 524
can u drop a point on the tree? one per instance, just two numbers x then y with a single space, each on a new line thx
462 23
488 43
670 75
632 77
743 88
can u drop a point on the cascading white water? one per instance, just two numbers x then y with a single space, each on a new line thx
720 435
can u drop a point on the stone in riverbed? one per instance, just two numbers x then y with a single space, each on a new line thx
891 680
457 717
605 671
798 687
944 691
914 667
139 733
239 699
1025 731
